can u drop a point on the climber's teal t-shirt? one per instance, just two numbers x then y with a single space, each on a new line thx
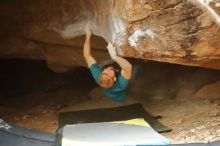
118 91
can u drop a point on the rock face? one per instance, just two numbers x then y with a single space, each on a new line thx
176 31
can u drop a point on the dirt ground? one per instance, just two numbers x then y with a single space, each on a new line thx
191 119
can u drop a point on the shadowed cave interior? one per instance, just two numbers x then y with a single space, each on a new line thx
32 96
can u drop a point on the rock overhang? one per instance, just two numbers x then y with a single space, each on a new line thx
177 31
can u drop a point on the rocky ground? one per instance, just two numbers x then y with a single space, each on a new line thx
192 119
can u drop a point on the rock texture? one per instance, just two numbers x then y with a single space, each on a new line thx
176 31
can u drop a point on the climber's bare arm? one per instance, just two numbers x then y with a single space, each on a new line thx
87 48
123 63
126 67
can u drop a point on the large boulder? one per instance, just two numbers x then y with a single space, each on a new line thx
176 31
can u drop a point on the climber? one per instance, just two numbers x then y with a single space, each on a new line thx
115 83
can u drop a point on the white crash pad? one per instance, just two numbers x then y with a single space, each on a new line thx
135 132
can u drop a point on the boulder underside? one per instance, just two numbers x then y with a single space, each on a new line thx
177 31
